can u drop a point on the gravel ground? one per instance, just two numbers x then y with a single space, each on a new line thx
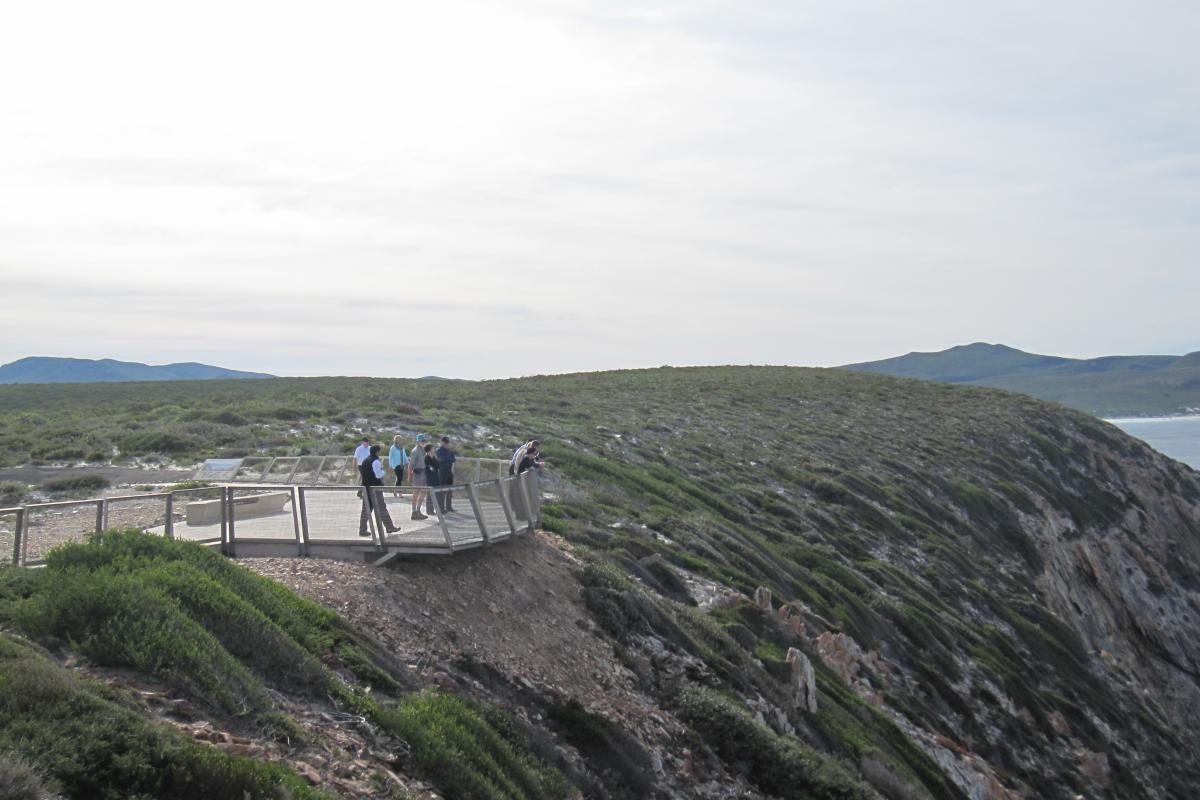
515 606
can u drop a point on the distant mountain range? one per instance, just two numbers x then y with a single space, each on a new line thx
1108 386
40 369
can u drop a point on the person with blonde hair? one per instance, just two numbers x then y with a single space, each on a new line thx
398 458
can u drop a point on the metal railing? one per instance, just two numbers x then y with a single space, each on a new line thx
329 519
340 470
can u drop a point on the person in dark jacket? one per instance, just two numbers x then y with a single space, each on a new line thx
371 473
446 459
433 476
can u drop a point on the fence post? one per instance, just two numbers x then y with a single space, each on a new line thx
169 526
379 531
303 519
437 509
99 515
473 496
224 526
502 491
18 538
228 521
296 523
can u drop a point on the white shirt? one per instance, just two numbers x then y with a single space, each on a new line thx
519 456
360 454
378 469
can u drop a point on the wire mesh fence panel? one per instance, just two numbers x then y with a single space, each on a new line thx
518 500
252 469
458 516
51 524
196 514
147 512
349 476
333 468
9 519
262 513
280 470
332 514
424 531
308 469
533 490
492 510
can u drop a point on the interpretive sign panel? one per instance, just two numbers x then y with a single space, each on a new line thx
219 469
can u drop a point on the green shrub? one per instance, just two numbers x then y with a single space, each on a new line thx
20 780
778 765
455 748
190 616
158 442
12 493
76 483
609 751
79 735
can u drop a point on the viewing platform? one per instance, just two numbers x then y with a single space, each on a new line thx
279 519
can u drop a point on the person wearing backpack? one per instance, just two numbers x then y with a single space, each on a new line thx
371 473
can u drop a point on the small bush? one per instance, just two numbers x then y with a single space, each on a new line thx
778 765
609 751
159 442
456 749
76 733
12 493
887 781
19 780
76 483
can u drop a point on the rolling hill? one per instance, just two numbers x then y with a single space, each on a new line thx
1109 386
43 369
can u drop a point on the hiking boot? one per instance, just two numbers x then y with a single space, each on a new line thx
364 533
393 528
418 515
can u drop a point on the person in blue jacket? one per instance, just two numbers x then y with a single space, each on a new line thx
398 459
446 459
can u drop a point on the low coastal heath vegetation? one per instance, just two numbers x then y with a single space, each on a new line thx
226 639
909 517
76 484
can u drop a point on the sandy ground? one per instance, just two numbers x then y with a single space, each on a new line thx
117 476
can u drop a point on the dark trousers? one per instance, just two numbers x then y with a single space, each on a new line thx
446 478
368 505
399 475
431 478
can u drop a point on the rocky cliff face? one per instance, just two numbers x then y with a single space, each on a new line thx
1012 584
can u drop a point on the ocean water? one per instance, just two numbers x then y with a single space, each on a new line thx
1177 437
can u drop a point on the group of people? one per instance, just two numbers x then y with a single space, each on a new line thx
426 468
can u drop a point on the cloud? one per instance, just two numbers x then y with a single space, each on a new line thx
557 186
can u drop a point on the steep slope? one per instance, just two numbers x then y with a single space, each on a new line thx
1028 575
42 369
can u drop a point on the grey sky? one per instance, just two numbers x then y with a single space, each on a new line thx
491 189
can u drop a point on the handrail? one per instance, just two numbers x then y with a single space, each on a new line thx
512 493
